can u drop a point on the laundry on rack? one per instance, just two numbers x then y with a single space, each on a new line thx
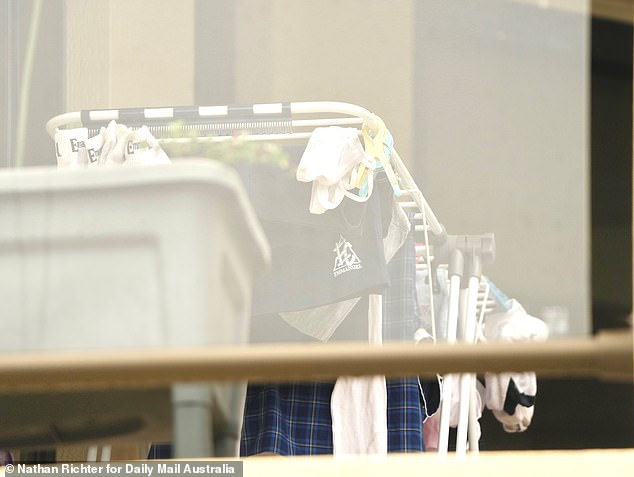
511 396
325 268
432 289
329 161
397 232
514 324
70 147
401 306
339 253
339 242
321 322
411 400
282 204
272 411
358 405
115 144
511 399
480 404
379 143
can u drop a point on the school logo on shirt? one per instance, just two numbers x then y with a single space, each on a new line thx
345 258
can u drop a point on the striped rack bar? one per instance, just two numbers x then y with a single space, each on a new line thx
204 120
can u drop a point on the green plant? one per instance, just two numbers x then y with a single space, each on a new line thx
187 142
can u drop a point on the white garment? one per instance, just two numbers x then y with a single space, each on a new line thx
497 391
143 149
133 147
329 162
117 135
112 151
436 323
510 396
455 403
515 324
115 144
397 232
94 147
358 405
322 321
70 147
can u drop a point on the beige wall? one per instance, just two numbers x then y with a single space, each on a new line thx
335 50
503 110
126 53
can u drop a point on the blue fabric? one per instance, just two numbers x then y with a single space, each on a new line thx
405 416
294 419
287 419
401 319
401 314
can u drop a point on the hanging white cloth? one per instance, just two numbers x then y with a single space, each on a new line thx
511 396
329 162
359 404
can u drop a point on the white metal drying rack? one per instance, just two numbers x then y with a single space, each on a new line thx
464 255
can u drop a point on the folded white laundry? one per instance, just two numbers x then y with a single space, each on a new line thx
143 148
511 399
70 147
114 145
329 162
515 324
511 396
95 146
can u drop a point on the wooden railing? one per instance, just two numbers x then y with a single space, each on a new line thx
607 355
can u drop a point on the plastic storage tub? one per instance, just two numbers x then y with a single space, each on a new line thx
126 257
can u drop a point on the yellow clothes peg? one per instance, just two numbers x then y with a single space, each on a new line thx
376 142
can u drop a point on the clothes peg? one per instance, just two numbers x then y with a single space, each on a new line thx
379 143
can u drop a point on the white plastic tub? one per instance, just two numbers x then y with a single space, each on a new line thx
126 257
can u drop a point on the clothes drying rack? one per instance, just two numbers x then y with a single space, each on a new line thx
464 255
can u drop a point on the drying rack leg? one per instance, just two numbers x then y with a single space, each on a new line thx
466 421
456 269
465 259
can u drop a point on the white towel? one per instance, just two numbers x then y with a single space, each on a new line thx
329 162
359 405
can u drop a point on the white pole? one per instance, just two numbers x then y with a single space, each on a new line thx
467 380
447 384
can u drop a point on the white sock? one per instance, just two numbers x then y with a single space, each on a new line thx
70 147
331 155
143 149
